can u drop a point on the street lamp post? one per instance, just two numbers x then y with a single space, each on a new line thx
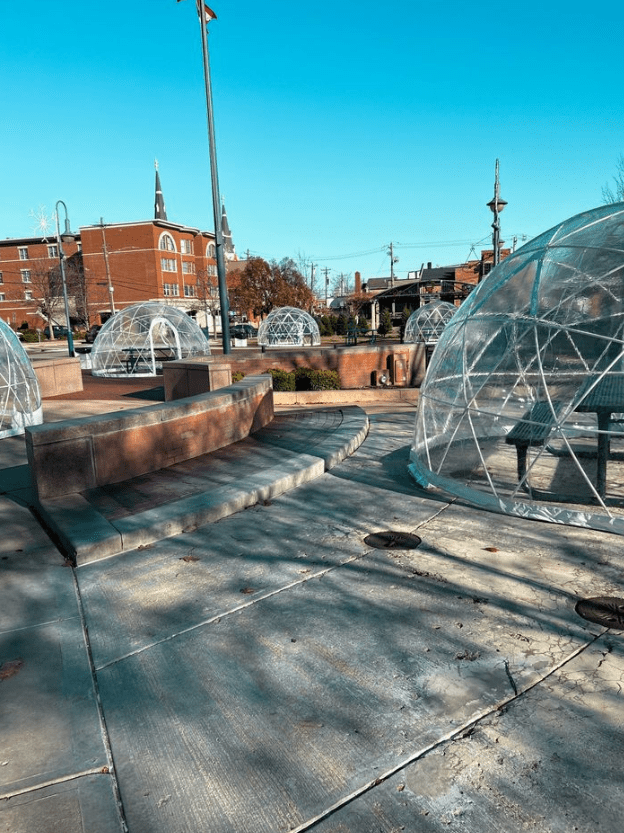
496 205
68 237
205 15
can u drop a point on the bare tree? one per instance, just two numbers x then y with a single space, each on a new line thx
47 288
207 294
615 194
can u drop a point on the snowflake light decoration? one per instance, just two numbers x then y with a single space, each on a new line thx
42 222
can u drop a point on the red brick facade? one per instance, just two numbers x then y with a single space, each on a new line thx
141 261
402 364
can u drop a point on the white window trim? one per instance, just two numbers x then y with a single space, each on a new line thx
164 237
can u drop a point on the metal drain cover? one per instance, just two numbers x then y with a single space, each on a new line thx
607 611
391 540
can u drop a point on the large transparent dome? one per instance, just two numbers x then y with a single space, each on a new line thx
20 399
522 407
288 327
426 324
137 340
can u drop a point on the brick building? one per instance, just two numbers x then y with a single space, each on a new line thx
111 266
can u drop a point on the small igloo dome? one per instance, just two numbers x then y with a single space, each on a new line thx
137 340
288 327
20 398
425 325
522 407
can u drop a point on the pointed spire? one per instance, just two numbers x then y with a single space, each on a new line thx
228 246
160 212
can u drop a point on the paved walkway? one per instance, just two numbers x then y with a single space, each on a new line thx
271 672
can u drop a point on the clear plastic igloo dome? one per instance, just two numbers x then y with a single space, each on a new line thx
288 327
20 398
137 340
426 324
522 407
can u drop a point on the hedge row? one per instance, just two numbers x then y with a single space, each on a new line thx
304 378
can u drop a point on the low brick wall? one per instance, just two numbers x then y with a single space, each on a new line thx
188 377
57 376
79 454
403 364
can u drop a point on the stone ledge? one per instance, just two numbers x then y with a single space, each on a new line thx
346 396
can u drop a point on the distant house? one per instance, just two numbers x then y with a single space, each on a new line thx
452 284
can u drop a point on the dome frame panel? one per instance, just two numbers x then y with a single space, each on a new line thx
138 339
288 327
20 396
522 407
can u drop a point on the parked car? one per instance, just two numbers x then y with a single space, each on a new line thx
243 331
59 332
92 333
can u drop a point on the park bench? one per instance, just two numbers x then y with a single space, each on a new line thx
533 429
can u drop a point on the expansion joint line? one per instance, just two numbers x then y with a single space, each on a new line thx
98 701
219 616
450 736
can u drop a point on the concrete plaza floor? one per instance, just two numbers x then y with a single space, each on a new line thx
272 672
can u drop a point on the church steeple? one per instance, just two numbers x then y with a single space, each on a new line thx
160 212
228 245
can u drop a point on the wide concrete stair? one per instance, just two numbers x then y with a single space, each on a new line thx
291 450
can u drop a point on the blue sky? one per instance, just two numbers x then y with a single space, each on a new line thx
340 128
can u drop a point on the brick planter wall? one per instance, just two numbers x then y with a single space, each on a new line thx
403 364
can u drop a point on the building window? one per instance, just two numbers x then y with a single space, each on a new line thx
2 296
1 278
168 264
211 251
185 247
166 243
189 291
212 270
53 250
171 289
22 252
28 295
188 267
26 277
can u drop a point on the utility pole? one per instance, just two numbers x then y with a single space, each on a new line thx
312 268
111 288
393 260
326 271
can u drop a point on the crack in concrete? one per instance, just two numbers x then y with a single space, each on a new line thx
512 682
459 732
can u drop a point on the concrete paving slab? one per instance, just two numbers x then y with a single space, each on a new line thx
320 688
266 547
77 806
548 761
271 672
50 729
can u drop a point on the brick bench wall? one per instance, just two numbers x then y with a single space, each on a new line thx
79 454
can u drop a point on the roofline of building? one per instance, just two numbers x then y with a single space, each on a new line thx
160 223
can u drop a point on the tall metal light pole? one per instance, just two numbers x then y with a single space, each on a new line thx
205 16
68 237
496 205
